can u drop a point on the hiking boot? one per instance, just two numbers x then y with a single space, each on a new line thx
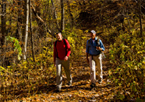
69 83
58 89
92 85
100 81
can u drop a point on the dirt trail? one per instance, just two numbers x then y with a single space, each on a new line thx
80 90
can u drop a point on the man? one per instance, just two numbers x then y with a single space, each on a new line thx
94 47
61 58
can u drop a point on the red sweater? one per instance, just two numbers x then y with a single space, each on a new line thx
60 50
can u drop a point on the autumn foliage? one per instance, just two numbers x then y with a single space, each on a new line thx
118 23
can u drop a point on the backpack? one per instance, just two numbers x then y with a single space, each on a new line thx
64 43
97 41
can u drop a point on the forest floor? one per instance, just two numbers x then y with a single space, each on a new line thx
80 90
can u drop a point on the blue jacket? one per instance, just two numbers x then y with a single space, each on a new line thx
91 47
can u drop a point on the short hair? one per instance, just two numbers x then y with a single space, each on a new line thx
58 33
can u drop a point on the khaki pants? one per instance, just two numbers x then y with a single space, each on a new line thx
95 61
59 64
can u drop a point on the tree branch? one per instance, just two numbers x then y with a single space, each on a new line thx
3 14
40 19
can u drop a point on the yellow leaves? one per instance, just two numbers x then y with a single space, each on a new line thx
110 72
139 52
143 62
135 68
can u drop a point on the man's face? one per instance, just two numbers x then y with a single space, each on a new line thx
92 35
59 36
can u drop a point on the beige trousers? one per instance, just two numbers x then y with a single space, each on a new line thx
66 65
95 61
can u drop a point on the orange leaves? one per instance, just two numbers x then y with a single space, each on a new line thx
8 54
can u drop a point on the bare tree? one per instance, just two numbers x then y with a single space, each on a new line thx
26 30
3 20
62 15
70 14
31 33
40 19
23 26
55 16
3 26
19 23
140 15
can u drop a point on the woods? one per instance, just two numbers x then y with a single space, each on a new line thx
27 34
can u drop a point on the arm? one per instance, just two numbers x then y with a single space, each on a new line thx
87 52
68 50
101 47
87 58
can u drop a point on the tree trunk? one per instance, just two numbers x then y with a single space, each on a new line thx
24 26
3 21
41 20
62 15
55 16
31 33
70 14
19 30
3 28
140 18
26 30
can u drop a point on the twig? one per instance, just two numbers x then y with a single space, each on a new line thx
3 14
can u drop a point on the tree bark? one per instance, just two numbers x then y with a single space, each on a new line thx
140 15
31 33
26 30
19 30
62 15
3 28
40 19
55 16
70 14
3 21
23 26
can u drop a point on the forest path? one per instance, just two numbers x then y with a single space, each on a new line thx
80 90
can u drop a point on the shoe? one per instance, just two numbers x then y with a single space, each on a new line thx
100 81
92 85
58 89
69 83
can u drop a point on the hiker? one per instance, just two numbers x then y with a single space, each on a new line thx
94 48
61 58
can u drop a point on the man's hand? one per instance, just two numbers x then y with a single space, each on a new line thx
87 60
65 58
99 48
54 64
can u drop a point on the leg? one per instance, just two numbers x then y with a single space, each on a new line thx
66 66
92 70
99 65
58 74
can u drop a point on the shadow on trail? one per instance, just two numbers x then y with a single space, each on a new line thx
22 90
81 77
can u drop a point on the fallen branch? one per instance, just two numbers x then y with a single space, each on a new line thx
3 14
